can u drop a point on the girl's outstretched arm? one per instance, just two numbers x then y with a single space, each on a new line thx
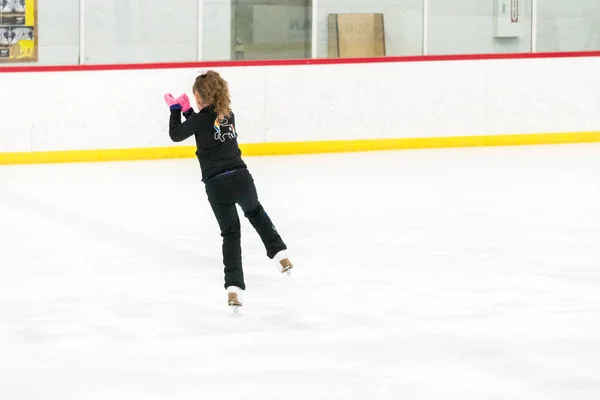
180 131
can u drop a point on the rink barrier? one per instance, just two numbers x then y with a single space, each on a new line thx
297 148
495 97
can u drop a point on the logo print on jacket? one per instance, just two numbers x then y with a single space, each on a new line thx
224 130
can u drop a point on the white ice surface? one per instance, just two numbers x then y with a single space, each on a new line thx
447 274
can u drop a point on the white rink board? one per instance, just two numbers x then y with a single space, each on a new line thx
125 108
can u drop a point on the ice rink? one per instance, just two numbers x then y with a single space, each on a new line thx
467 274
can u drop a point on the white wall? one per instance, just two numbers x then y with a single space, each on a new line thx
121 109
466 27
570 25
216 43
129 31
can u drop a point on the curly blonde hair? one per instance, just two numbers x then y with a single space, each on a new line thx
214 90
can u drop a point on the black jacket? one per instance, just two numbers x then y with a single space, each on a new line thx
216 140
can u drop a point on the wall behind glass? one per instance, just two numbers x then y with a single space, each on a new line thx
217 24
467 27
131 31
136 31
568 25
58 33
402 23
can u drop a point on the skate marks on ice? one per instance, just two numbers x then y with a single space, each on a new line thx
153 250
471 308
390 353
380 362
385 352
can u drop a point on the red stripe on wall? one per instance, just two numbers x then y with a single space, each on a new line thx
318 61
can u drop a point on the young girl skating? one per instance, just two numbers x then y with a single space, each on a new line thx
225 175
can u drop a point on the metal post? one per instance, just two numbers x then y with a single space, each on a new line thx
534 22
82 32
425 27
314 28
200 33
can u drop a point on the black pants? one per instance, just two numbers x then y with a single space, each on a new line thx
224 192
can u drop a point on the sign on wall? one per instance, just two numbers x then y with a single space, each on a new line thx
18 31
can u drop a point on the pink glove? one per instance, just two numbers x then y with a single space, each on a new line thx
184 102
171 101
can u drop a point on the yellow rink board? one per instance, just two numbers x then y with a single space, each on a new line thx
290 148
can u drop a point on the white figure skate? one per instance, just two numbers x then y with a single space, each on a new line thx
284 265
234 298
